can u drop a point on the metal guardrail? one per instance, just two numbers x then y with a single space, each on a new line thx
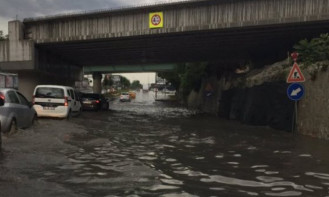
101 11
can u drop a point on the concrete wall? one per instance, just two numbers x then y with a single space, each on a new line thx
180 17
28 80
313 109
15 53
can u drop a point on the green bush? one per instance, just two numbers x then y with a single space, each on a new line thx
192 77
314 50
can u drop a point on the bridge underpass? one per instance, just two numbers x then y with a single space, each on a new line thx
228 49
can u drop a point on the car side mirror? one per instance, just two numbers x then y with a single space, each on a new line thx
2 102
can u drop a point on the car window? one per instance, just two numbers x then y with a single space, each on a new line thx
77 95
45 92
93 96
72 94
22 99
69 93
12 97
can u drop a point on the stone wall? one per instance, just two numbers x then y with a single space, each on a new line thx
313 109
265 104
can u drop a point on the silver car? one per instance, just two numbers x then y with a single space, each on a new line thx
15 111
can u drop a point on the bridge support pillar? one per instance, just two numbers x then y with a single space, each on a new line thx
97 80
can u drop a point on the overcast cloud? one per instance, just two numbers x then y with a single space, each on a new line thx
34 8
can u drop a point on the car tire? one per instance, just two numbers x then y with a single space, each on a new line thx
35 119
12 127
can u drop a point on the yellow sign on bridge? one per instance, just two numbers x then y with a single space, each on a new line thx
156 20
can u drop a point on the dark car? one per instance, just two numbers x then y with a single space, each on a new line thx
93 101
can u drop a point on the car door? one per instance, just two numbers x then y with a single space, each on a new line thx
74 101
27 110
16 108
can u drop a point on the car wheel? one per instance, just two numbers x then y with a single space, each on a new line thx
12 127
35 119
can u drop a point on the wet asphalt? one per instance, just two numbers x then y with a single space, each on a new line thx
155 148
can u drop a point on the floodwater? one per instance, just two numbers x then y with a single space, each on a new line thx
148 148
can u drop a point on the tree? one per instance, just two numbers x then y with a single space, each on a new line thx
174 77
136 85
314 50
2 36
107 82
124 82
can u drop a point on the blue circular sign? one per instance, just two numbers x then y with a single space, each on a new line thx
295 91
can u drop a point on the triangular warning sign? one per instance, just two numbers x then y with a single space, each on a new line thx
295 74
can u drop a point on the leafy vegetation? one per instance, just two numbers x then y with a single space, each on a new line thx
186 77
314 50
107 82
2 36
136 85
124 82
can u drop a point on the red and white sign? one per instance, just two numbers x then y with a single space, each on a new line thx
295 75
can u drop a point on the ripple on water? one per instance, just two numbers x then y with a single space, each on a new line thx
305 155
286 193
178 195
314 187
171 181
233 163
260 166
249 193
162 187
170 160
190 173
250 183
268 179
318 175
219 156
148 158
217 188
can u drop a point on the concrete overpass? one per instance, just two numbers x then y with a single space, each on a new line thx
229 32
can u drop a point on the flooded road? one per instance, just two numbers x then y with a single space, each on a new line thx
148 148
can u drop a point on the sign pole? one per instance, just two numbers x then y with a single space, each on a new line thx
295 90
296 115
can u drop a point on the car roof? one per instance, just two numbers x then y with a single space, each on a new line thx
53 86
7 89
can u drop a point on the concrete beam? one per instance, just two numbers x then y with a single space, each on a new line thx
97 81
129 68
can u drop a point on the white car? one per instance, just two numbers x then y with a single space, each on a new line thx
56 101
124 96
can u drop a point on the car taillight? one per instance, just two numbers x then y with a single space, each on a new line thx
2 96
97 101
66 103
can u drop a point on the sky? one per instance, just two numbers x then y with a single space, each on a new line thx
20 9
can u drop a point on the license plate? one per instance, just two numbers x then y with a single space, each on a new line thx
87 102
49 108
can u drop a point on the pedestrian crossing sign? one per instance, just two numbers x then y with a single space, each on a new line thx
295 74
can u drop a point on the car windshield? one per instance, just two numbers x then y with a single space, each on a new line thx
45 92
124 93
93 96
